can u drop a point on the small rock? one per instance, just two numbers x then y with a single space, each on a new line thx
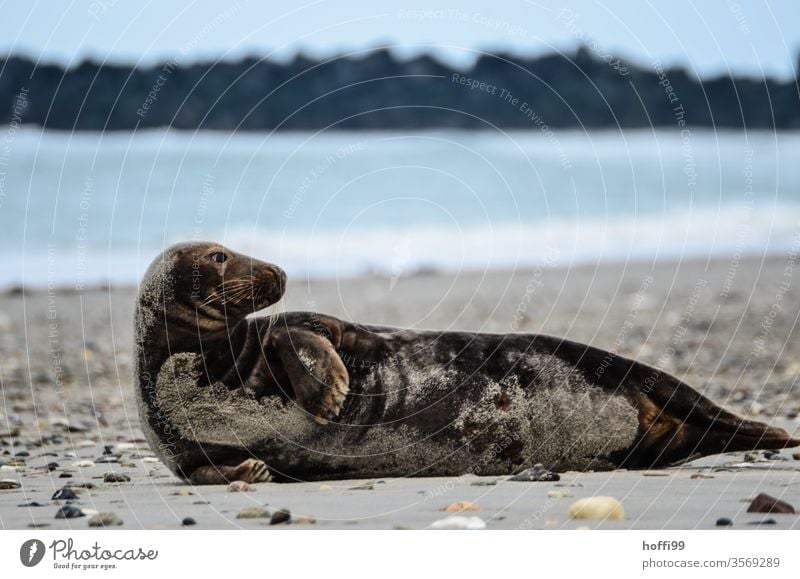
34 504
306 521
7 484
483 483
116 477
188 522
365 486
764 503
238 486
459 522
280 516
654 473
700 476
253 513
537 473
459 506
559 493
796 455
23 453
150 459
69 512
86 443
105 520
65 475
64 494
83 464
325 487
597 508
107 459
183 493
764 522
724 522
751 457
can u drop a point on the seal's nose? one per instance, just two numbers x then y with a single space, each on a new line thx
279 278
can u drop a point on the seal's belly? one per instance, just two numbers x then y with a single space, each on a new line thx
478 404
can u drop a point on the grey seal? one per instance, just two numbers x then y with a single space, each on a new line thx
225 395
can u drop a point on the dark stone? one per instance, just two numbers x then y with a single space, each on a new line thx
280 516
23 453
764 503
108 449
69 512
188 522
65 475
34 504
764 522
107 459
537 473
51 466
723 522
116 477
64 494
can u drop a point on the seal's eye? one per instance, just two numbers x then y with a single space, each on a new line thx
218 257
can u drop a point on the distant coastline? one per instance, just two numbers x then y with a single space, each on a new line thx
376 90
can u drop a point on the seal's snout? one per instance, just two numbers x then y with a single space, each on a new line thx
273 282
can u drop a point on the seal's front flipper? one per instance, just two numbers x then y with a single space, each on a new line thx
317 374
249 471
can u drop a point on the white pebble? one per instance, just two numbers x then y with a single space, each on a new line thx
83 463
597 508
458 522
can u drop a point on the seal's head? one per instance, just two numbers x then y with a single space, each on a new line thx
206 286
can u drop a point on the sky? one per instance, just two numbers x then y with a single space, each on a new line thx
711 37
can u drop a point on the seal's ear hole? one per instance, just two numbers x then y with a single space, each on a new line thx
218 257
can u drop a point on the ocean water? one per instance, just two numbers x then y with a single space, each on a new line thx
79 209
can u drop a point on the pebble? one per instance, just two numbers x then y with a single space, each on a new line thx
34 504
183 493
107 459
105 520
64 494
365 486
116 477
188 522
325 487
700 476
238 486
459 506
724 522
7 484
86 443
83 464
253 513
751 457
764 503
150 459
559 493
597 508
796 455
458 522
764 522
69 512
537 473
483 483
280 516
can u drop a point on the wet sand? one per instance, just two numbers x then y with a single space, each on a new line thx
729 328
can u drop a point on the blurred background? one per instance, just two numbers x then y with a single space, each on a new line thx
340 138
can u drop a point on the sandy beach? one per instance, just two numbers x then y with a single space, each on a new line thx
728 328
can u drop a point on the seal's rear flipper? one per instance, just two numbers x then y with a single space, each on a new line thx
675 421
